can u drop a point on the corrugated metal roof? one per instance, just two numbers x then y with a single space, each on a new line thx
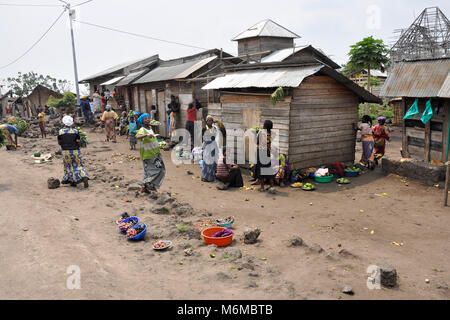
130 78
179 71
112 81
269 78
281 55
140 63
419 79
266 28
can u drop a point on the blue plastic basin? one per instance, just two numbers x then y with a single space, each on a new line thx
128 219
140 235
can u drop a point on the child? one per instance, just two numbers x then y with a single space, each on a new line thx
132 132
123 124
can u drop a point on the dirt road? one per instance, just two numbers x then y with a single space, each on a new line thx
43 232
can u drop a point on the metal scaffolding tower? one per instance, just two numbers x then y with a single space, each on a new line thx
427 38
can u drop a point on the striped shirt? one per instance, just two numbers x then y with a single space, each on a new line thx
222 169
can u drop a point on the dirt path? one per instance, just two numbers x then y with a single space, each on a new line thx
43 232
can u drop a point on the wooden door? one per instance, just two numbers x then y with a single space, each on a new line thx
250 119
162 115
148 101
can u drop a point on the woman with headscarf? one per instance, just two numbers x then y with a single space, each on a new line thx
149 149
70 142
210 151
109 117
368 155
380 134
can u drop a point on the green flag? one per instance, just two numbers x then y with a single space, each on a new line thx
413 110
428 113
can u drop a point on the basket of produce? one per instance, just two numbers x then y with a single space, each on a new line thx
161 244
155 123
137 232
309 187
122 218
326 179
219 236
128 223
225 223
352 172
343 181
297 185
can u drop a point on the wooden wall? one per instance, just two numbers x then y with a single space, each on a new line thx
427 142
322 118
243 112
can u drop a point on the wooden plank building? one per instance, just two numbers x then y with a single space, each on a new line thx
423 80
316 120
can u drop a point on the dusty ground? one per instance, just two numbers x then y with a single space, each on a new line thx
45 231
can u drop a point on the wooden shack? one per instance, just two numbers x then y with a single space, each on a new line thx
316 120
183 77
423 80
38 98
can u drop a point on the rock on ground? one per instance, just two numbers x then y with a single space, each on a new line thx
388 276
316 248
296 242
347 289
232 253
251 235
53 183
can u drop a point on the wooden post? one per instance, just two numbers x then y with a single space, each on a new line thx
405 137
447 176
427 142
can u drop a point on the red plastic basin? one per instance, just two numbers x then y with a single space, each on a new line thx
220 242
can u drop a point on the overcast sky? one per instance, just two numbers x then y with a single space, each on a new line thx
331 26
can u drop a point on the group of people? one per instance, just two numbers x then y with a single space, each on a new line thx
373 141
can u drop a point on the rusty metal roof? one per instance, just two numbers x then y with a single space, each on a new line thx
178 71
419 79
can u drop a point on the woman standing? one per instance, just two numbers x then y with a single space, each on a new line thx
210 151
154 169
109 117
368 143
265 171
380 135
70 142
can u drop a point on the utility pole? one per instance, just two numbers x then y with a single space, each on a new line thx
71 17
77 87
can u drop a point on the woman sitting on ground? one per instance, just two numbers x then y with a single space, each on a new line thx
228 174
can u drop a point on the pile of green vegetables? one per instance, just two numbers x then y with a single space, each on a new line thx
21 125
309 186
354 169
83 137
277 96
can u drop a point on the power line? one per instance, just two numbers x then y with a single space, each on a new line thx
29 5
34 44
139 35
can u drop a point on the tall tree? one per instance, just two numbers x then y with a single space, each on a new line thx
24 83
369 54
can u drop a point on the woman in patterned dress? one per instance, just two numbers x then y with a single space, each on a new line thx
70 142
